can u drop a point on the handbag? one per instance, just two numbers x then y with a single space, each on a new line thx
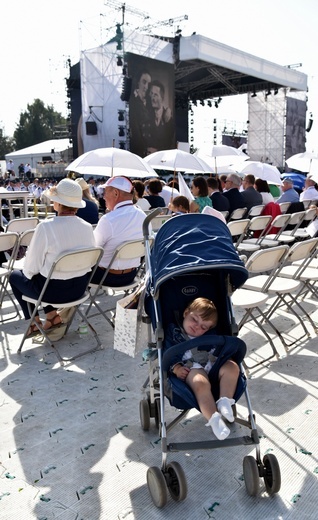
131 333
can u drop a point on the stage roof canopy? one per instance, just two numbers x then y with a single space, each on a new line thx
209 69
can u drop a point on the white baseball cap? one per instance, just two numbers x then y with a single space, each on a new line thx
121 183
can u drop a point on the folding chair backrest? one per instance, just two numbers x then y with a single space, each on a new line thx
78 260
26 237
266 259
256 210
284 206
157 222
279 223
22 224
8 241
259 223
129 250
302 250
238 214
310 214
238 227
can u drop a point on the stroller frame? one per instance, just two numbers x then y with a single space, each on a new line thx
170 476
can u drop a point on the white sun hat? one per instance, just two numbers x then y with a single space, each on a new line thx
68 193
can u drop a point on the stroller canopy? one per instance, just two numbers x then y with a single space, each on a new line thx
194 242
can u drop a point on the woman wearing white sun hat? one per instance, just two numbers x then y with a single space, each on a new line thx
51 238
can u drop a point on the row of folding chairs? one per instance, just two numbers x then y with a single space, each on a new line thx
243 230
279 279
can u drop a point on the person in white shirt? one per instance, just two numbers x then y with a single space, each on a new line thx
310 192
121 224
52 237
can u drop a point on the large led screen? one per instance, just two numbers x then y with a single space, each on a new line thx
152 123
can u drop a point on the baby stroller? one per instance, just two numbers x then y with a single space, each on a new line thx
193 255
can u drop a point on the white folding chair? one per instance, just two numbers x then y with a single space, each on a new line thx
19 225
237 214
284 206
282 289
298 267
301 233
255 211
251 298
9 245
259 225
127 251
288 235
157 222
23 241
238 230
270 239
67 262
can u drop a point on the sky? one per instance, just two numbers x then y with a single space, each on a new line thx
38 38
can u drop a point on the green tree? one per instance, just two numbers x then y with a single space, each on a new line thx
37 124
7 144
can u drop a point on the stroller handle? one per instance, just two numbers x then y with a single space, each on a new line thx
148 219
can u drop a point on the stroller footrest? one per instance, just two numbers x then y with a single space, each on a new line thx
208 445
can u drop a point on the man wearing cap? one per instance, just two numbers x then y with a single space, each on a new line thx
310 192
289 194
122 223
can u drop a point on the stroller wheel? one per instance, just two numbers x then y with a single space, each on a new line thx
251 475
176 481
144 414
157 486
272 477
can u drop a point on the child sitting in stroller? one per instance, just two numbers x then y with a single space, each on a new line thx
194 366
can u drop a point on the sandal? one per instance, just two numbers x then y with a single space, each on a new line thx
33 331
52 324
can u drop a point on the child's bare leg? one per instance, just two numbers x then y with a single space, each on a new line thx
198 381
228 376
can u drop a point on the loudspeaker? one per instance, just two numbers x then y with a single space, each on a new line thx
126 88
91 128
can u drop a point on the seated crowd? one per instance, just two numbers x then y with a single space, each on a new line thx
77 206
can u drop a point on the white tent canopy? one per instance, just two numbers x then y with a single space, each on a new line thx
56 149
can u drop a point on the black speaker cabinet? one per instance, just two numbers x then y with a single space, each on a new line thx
91 128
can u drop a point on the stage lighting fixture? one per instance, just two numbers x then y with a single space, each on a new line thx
121 115
122 145
254 93
216 104
194 102
121 132
202 102
268 93
119 61
275 91
209 103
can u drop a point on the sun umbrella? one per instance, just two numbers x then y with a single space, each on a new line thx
111 162
221 156
302 161
177 160
222 163
297 178
261 170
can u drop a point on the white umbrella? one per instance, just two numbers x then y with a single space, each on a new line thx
261 170
223 155
111 162
177 160
302 161
223 163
